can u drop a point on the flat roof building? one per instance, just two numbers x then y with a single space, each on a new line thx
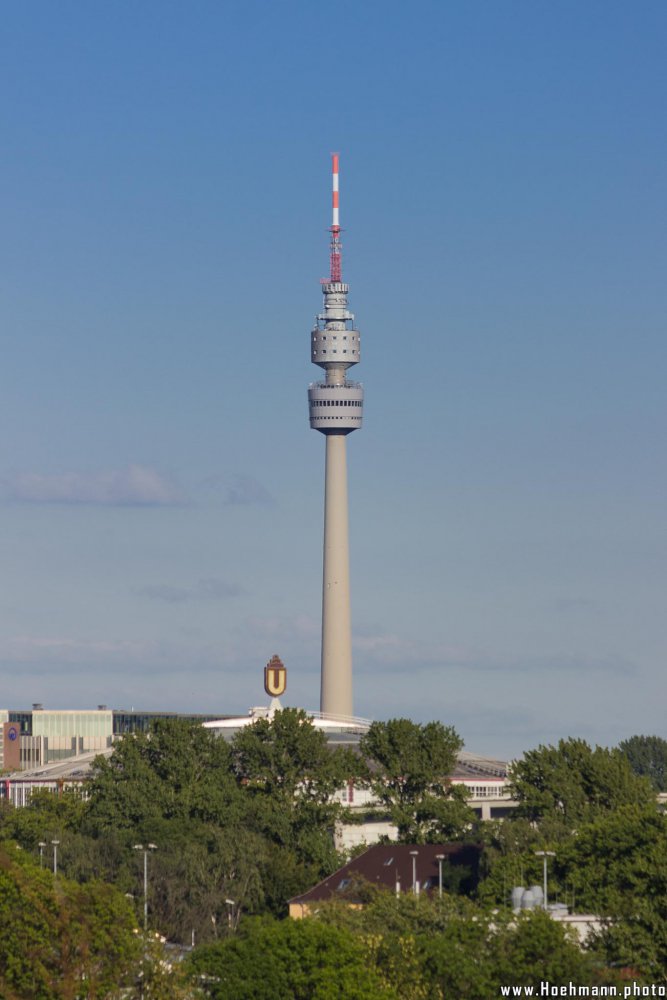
40 736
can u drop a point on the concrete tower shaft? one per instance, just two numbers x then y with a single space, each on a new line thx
336 409
336 663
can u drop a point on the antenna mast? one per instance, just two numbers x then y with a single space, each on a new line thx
335 256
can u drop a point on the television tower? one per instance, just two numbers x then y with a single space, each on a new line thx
336 408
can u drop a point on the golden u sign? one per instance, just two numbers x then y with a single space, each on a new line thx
275 677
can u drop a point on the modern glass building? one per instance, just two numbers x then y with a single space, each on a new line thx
51 735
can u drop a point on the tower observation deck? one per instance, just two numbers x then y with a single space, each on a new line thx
336 409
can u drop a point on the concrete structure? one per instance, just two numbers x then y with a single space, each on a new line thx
4 738
487 782
18 786
336 408
338 731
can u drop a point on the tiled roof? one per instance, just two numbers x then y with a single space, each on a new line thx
388 864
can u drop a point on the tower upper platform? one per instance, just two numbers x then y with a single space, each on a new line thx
334 341
336 404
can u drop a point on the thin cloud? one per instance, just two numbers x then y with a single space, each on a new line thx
47 650
392 652
244 491
203 590
395 653
58 655
134 486
297 628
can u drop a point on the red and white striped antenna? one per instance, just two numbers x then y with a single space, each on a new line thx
335 256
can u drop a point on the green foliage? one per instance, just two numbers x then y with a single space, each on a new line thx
405 914
60 940
252 821
48 818
574 783
449 947
617 867
174 787
178 771
509 859
287 758
289 776
288 960
194 870
532 946
408 768
647 756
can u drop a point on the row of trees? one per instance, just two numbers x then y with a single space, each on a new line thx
395 949
252 821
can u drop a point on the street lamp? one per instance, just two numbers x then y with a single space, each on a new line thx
440 858
41 845
230 912
146 849
55 856
544 855
414 854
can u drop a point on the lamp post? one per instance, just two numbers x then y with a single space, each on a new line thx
41 845
55 856
440 858
413 855
230 913
146 849
544 855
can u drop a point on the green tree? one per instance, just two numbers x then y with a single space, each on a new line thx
250 821
617 868
288 960
47 817
59 940
177 771
453 948
509 858
647 756
573 783
532 947
384 912
195 869
174 787
289 775
408 770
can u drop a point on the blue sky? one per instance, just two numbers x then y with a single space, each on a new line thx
165 198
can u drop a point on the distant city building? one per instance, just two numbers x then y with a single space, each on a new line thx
54 749
35 738
337 730
18 786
